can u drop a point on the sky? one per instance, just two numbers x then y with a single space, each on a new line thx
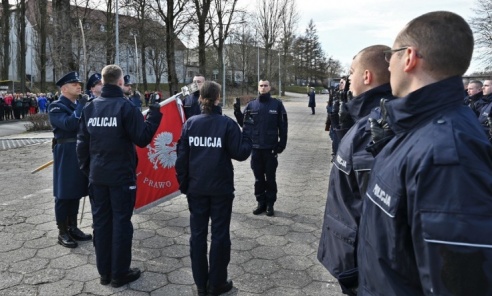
345 27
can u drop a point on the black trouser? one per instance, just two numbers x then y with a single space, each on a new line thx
264 164
65 208
218 208
112 210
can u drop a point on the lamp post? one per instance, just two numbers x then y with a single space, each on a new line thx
279 77
223 76
136 59
258 68
117 40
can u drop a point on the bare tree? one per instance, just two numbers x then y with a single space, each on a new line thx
221 19
5 40
21 33
175 17
202 8
110 32
142 12
289 21
481 24
269 24
62 54
41 29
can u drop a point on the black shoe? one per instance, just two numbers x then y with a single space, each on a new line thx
78 235
215 291
269 211
105 279
132 275
74 231
65 240
261 208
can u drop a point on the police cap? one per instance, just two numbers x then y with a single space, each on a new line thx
127 80
93 80
69 78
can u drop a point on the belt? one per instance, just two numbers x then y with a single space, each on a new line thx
66 140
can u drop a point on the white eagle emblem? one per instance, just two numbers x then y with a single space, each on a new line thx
163 152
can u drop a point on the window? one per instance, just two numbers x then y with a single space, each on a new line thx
102 28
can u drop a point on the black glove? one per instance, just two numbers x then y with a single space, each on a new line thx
279 149
155 108
248 119
489 120
344 118
380 131
237 105
82 99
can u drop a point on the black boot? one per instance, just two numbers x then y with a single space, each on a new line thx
261 208
64 238
269 210
75 232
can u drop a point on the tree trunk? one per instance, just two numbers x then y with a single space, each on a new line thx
170 50
5 39
42 43
22 45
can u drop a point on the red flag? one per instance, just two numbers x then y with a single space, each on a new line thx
156 175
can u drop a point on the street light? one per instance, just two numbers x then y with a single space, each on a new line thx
223 76
117 40
279 77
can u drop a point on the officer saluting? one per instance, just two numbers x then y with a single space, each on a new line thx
69 183
94 86
109 129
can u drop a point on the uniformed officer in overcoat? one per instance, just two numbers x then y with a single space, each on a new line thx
69 183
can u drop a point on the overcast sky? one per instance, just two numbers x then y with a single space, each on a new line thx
347 26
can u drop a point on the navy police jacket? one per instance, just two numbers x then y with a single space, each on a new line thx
191 105
110 127
207 144
68 180
270 122
348 179
426 227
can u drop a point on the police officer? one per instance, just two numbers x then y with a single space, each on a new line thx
205 173
425 224
109 129
269 140
134 97
312 100
127 87
191 104
69 183
94 86
369 82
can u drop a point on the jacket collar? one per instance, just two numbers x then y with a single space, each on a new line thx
111 91
361 105
407 112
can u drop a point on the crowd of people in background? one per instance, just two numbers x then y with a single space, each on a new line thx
19 105
14 106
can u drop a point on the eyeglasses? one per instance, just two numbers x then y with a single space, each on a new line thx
388 53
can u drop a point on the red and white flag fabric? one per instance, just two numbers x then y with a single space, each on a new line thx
156 174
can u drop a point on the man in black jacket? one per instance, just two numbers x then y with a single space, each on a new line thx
269 139
369 83
109 129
